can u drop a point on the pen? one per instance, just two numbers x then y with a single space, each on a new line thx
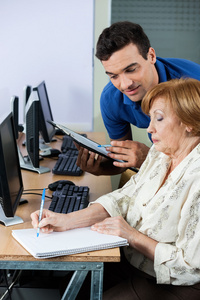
104 146
41 209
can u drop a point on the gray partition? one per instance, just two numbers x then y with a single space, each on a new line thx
173 26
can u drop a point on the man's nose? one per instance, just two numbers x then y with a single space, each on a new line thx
126 82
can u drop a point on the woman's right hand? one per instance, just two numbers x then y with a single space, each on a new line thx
51 221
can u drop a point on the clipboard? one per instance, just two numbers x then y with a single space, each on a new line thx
86 143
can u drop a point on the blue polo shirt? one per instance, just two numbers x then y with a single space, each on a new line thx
118 111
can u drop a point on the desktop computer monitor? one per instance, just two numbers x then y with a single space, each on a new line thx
46 129
14 101
32 161
11 185
26 94
32 128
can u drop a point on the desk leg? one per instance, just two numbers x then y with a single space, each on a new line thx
78 278
80 269
74 285
96 285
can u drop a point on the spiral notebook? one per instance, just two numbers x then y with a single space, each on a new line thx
67 242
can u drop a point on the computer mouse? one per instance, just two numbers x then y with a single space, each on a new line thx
50 153
52 186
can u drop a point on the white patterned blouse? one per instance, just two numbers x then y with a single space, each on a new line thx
170 215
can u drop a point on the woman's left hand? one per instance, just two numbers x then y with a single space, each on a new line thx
115 226
118 226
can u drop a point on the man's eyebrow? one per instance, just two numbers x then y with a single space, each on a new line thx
109 73
131 65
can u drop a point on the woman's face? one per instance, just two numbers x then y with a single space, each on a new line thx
169 134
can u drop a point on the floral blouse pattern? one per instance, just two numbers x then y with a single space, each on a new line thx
168 213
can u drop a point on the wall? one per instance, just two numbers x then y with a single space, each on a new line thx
102 20
102 8
53 41
172 26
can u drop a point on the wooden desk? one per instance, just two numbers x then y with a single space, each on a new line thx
14 256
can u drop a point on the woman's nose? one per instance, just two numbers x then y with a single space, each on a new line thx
150 128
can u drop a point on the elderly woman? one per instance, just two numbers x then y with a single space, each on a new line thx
158 210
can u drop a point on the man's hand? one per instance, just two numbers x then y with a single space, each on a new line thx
133 153
89 161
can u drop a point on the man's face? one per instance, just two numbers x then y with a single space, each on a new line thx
131 73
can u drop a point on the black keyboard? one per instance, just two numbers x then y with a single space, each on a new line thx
66 165
71 152
69 198
68 143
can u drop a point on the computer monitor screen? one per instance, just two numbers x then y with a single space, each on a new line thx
11 185
15 111
32 128
47 130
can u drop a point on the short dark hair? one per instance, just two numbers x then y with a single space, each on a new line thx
119 35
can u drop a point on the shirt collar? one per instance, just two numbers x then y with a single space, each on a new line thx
179 171
162 75
127 101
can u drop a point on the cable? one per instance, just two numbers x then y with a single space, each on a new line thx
37 194
36 189
9 288
32 193
7 285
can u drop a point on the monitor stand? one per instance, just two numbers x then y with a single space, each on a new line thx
27 165
43 145
8 221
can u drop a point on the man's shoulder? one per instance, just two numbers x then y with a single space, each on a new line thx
111 93
178 67
110 88
177 62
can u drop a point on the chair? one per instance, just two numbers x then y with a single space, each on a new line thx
125 176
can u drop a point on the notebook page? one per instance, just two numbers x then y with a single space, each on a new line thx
64 243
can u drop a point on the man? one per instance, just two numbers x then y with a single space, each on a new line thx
131 63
